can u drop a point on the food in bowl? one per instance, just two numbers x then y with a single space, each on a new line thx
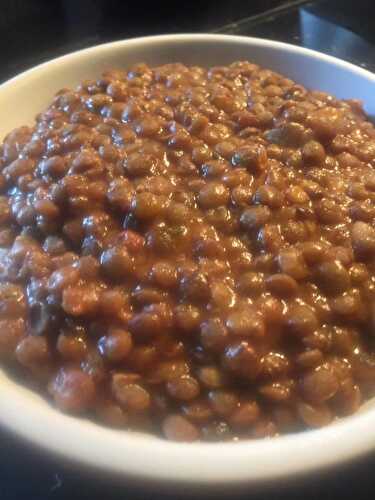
191 252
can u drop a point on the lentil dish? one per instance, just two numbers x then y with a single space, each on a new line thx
191 252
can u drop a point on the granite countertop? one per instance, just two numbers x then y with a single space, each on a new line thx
33 31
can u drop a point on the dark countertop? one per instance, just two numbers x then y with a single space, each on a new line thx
34 31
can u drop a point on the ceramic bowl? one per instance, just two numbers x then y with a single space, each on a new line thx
141 456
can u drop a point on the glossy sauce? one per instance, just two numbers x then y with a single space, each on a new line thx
191 252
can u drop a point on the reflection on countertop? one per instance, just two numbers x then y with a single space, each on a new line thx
327 26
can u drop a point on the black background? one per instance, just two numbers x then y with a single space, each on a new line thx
33 31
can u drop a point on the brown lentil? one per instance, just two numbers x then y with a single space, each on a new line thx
192 249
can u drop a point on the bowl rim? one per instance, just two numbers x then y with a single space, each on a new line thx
186 37
141 456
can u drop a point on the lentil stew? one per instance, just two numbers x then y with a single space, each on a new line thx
192 252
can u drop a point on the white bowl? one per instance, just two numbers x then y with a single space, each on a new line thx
141 456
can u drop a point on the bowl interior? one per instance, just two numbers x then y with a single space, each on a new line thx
141 455
22 98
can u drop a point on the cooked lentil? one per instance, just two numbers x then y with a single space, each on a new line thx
191 252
